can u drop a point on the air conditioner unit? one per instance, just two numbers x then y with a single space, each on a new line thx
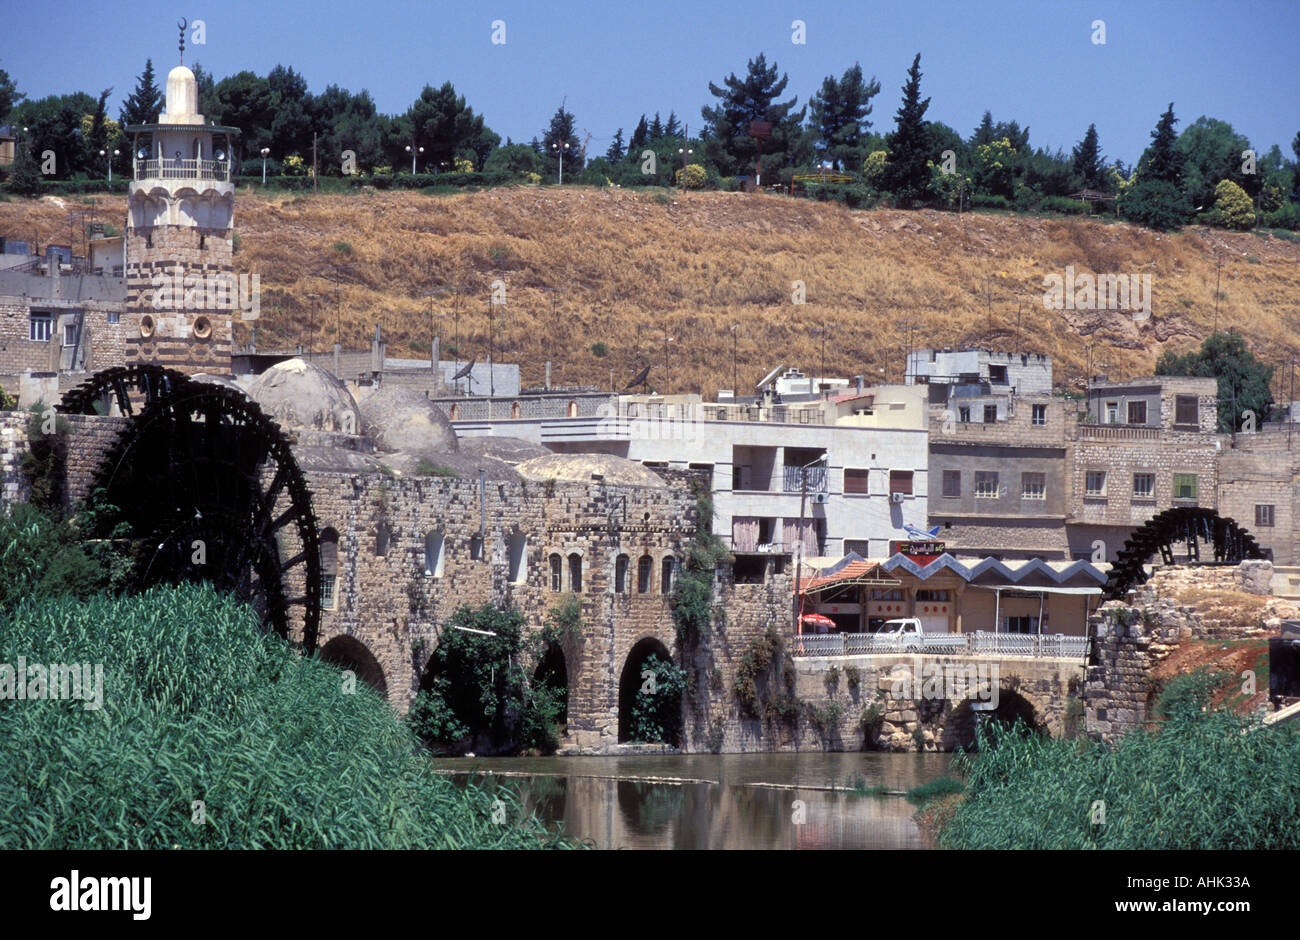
819 498
895 497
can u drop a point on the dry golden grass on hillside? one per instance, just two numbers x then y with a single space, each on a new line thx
619 267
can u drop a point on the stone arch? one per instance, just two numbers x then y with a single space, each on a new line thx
348 652
962 722
631 680
553 669
620 583
667 574
1229 543
645 574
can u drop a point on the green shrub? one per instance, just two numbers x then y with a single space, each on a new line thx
657 716
200 704
1156 204
1232 207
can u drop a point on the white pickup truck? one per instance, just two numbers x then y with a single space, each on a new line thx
907 631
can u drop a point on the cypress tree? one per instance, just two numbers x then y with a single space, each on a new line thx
906 173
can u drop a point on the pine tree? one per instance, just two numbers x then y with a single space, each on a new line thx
839 115
615 152
656 129
142 105
754 98
24 180
672 126
640 137
1162 161
1089 164
561 132
906 174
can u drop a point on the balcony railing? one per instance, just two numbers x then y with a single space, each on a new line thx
979 643
815 477
1118 432
170 168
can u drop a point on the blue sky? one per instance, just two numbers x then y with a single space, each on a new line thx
1034 62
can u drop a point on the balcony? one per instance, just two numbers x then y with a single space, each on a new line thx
815 477
172 169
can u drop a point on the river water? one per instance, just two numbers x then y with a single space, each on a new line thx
720 801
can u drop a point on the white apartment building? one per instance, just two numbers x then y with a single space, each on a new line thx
856 462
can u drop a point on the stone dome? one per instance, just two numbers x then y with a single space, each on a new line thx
402 419
578 468
300 395
182 105
512 450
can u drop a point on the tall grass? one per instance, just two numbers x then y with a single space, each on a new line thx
201 705
1197 783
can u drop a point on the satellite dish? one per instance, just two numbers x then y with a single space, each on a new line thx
464 371
771 376
639 380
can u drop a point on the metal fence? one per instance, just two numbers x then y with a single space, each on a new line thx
170 168
979 643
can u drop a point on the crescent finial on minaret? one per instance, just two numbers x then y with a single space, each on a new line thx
183 24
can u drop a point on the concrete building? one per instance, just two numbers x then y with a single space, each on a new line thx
857 463
1012 373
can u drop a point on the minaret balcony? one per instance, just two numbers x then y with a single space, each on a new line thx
169 168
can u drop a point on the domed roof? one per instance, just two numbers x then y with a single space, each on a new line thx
301 395
512 450
402 419
461 466
182 98
223 380
578 468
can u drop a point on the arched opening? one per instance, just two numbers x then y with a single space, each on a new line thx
329 568
518 555
650 695
668 575
516 410
434 550
620 574
552 673
573 409
381 540
454 414
645 569
575 573
963 725
557 573
350 653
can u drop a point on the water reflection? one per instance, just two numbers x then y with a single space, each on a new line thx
730 801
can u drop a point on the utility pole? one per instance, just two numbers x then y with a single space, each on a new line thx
734 389
1218 264
315 166
798 564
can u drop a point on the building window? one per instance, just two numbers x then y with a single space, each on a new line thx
998 375
1039 416
986 484
69 334
433 545
114 316
1112 412
39 327
573 409
1095 483
952 483
668 575
620 574
1033 486
1022 624
575 573
329 568
476 547
900 481
645 568
884 594
1187 411
381 540
963 414
1264 515
855 480
1184 486
1144 486
857 546
518 558
1137 412
990 414
557 573
932 595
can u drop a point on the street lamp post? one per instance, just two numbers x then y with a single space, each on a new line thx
798 563
104 153
266 152
412 149
686 153
559 148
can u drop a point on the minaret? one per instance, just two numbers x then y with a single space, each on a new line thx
180 286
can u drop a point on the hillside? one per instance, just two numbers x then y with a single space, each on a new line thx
619 267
